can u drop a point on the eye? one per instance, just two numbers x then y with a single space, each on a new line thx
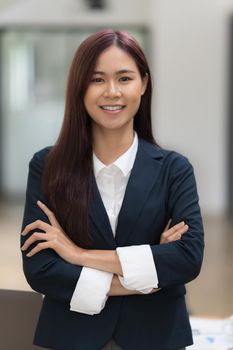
125 79
97 80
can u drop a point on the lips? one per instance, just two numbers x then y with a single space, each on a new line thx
112 107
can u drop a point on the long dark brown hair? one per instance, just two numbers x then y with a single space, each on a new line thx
68 171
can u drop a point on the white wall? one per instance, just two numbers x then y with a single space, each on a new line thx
70 12
5 3
190 68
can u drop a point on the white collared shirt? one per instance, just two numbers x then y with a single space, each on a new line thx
139 271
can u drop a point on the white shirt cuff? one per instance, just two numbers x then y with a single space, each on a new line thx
90 294
139 271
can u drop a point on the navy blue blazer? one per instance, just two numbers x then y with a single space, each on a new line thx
161 186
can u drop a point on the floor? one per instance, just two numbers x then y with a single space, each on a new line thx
211 294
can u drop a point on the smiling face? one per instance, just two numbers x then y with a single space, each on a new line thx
114 93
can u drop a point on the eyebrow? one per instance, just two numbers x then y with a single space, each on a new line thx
122 71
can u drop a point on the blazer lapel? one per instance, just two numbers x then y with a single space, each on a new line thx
99 216
142 179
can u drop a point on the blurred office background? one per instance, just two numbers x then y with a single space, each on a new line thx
189 47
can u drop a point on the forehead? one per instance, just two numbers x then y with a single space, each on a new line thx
114 59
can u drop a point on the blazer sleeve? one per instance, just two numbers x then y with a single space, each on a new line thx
45 272
180 262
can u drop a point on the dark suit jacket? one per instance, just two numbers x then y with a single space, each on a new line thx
161 186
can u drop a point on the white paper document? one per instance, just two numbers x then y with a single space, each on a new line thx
212 334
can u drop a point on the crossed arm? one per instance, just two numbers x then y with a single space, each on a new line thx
54 237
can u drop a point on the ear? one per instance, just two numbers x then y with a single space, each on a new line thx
144 84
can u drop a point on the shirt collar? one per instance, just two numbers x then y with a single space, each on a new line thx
125 162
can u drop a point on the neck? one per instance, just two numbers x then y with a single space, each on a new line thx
108 145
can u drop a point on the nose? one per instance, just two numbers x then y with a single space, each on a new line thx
112 90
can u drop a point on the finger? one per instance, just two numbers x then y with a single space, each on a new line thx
36 236
168 236
180 231
35 225
183 230
167 226
174 228
49 214
39 247
175 237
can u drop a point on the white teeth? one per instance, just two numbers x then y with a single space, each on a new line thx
112 108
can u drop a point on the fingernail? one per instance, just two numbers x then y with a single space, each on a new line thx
22 248
181 223
28 255
39 202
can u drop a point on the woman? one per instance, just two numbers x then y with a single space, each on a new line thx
97 203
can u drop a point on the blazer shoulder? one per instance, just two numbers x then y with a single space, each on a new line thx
175 161
172 155
166 156
39 157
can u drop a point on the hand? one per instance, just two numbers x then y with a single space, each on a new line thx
53 237
174 233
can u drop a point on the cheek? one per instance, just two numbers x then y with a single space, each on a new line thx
135 98
89 100
88 95
135 93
